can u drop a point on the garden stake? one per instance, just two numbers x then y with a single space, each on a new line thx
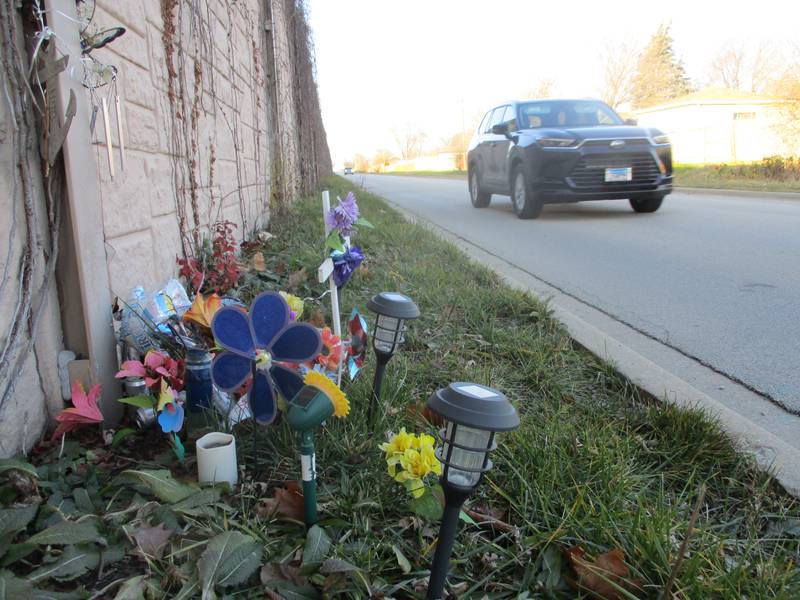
307 411
325 272
309 469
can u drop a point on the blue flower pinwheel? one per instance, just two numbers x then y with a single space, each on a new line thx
255 343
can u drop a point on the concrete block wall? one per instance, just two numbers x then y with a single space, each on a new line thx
36 390
227 140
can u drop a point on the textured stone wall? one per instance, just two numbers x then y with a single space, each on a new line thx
220 118
196 126
35 391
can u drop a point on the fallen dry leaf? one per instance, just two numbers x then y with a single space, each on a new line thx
602 577
272 572
295 279
459 588
152 541
420 410
258 262
317 319
286 502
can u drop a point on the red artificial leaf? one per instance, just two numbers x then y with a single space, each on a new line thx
85 410
604 577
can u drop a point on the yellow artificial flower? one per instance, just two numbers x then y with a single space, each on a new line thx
166 396
419 463
341 406
410 458
423 440
295 303
399 443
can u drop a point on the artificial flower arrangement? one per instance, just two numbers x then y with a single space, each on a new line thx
410 460
343 220
163 376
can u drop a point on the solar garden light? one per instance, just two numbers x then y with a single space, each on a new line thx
473 414
306 411
392 310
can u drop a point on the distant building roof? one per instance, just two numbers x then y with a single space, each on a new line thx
714 96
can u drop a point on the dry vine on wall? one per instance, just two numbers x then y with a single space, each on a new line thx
194 105
30 101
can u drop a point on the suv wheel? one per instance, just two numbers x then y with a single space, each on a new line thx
647 204
527 204
479 198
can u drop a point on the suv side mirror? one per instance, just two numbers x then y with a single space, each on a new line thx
630 122
500 129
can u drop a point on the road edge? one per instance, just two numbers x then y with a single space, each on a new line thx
677 188
738 193
770 453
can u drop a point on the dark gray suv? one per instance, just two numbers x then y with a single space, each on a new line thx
554 151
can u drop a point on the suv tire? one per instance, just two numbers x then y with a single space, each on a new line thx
647 204
479 198
527 204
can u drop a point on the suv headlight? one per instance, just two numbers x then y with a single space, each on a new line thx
662 138
555 142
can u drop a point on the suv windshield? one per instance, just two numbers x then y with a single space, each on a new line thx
566 113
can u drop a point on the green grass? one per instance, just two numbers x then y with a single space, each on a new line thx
594 463
732 177
724 177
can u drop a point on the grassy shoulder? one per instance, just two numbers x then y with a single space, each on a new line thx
594 465
746 177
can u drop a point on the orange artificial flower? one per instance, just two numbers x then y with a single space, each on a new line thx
203 310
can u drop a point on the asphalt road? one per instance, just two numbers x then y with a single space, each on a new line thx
716 278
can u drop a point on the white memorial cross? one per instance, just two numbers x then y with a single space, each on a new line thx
324 273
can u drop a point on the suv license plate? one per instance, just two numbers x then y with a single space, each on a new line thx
619 174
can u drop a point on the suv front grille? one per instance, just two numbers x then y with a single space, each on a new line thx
590 172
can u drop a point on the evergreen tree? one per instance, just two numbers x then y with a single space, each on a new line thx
660 76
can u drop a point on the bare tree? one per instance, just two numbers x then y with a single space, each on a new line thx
542 88
360 163
409 141
786 85
728 67
619 65
381 160
738 66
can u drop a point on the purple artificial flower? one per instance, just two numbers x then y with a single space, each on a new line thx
343 216
345 263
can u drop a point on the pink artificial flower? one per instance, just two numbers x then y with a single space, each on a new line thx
156 366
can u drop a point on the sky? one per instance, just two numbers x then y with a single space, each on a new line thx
435 65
